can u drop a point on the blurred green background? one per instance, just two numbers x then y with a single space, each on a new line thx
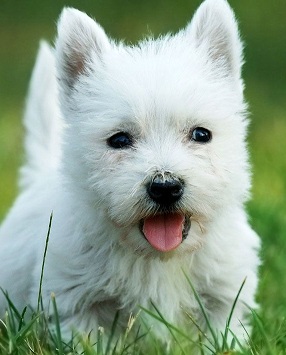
263 28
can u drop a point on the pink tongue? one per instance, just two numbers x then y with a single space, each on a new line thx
164 232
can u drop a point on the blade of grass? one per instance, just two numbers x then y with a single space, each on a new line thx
261 328
236 340
169 325
227 328
197 297
201 332
115 347
10 334
20 336
21 322
153 341
43 263
99 344
134 342
11 307
112 333
57 324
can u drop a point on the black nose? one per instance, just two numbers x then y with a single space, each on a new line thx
165 191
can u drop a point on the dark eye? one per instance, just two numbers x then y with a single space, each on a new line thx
120 140
201 135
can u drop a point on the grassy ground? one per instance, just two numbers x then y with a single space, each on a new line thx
263 25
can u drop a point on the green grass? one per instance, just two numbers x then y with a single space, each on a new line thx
37 336
22 24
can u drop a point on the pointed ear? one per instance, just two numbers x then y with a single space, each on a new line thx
79 39
214 30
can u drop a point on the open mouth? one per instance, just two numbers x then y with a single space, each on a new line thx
165 232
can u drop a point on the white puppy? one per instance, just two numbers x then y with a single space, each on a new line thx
140 154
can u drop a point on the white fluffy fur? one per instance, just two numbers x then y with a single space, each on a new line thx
159 90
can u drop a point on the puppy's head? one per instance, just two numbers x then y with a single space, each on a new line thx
155 132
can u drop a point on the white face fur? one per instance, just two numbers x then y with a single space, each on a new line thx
170 110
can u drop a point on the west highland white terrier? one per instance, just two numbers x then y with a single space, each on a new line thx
139 153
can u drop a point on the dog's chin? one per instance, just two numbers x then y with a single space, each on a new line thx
165 232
